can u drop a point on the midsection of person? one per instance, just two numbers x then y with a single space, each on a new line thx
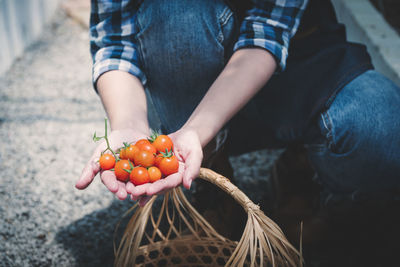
206 62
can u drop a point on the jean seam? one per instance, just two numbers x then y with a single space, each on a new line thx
225 16
327 123
223 19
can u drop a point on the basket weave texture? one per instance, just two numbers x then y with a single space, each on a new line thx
177 235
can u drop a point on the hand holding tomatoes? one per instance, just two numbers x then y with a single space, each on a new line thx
188 153
140 166
108 178
136 162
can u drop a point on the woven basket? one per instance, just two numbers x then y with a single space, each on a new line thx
179 236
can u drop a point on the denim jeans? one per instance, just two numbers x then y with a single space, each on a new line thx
358 156
184 45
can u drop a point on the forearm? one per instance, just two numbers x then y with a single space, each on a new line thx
124 100
246 73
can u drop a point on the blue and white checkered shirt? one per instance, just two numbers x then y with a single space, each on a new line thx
269 24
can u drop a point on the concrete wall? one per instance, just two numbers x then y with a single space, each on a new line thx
21 23
366 25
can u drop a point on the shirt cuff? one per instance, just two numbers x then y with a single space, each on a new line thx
279 52
101 67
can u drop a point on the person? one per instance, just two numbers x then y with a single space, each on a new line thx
270 73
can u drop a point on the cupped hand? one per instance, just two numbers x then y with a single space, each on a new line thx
116 139
188 150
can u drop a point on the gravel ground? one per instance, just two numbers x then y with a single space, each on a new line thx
48 113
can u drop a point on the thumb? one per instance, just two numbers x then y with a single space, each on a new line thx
88 173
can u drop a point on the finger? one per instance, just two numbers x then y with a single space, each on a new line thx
165 184
177 154
87 175
143 200
139 190
129 187
109 180
89 171
121 193
192 168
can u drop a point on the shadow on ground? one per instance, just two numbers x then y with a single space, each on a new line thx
90 239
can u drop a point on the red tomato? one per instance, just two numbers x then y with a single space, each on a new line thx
144 158
139 175
154 173
107 161
130 152
162 143
169 165
120 168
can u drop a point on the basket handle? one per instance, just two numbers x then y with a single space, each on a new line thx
226 185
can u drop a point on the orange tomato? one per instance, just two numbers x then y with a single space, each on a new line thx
154 174
144 158
147 147
169 165
120 168
163 143
130 152
141 142
158 159
107 161
139 175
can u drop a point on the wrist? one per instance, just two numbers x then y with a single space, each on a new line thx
124 100
138 126
204 131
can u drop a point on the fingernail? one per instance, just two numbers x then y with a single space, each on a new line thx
129 188
114 186
189 184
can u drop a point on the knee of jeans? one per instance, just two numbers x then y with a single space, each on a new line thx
173 26
363 117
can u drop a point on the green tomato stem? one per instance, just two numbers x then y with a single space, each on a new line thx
108 143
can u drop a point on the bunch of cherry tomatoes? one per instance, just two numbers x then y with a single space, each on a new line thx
145 161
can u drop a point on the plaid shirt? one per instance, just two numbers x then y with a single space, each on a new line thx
269 24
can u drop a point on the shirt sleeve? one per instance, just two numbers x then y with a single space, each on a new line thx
112 35
270 24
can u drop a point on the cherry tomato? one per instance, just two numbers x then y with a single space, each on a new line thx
122 153
154 173
162 143
144 158
130 152
141 142
139 175
147 147
158 159
169 165
107 161
120 168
